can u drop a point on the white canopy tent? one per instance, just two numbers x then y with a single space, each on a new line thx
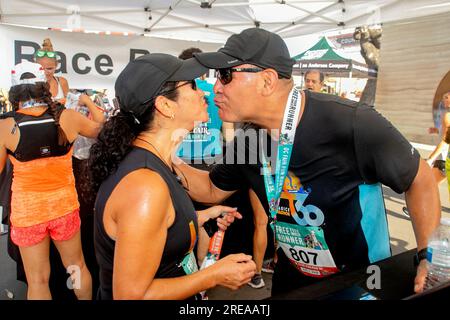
211 20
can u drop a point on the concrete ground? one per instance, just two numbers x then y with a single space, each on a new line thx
402 239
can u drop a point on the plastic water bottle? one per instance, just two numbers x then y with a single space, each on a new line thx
438 255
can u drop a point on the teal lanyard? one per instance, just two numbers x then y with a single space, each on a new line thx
285 144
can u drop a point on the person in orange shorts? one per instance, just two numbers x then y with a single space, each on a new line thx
38 140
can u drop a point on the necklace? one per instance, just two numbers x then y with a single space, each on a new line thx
157 151
162 159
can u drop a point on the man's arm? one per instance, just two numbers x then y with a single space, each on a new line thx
199 185
424 205
386 156
423 202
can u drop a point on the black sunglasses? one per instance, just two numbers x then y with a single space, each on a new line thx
225 75
166 92
191 82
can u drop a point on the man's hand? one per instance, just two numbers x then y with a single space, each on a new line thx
225 215
421 274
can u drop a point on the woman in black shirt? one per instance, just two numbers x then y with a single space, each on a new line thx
145 223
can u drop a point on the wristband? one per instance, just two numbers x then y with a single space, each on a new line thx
419 256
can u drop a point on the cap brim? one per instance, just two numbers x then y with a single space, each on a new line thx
189 70
217 60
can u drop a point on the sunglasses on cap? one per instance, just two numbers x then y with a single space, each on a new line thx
166 92
43 53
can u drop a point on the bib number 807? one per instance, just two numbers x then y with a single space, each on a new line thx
304 256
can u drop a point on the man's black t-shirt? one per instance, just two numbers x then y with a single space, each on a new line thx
331 214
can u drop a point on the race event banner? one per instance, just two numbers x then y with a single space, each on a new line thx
86 60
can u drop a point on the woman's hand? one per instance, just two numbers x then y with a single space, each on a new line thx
234 271
84 100
96 113
226 216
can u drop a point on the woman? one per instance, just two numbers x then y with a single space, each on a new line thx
145 223
46 57
439 165
38 140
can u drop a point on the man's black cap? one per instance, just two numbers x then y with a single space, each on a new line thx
143 78
253 46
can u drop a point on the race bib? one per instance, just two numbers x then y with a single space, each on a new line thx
299 233
306 249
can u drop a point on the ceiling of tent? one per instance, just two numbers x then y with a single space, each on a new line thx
211 20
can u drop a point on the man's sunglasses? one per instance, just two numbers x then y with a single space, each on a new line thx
226 75
166 92
43 53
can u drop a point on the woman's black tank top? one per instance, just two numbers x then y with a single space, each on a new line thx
181 236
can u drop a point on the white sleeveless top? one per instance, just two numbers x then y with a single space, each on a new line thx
60 93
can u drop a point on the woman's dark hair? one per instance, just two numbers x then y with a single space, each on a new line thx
115 140
41 93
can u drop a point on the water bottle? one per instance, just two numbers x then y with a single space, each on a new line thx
438 255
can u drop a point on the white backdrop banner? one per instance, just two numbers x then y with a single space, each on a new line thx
85 60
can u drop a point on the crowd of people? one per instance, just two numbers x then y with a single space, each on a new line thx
155 187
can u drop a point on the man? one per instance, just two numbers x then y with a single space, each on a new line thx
314 80
328 203
199 149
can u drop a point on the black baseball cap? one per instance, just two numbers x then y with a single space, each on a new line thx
143 78
255 46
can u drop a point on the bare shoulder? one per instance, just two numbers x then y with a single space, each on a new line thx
69 115
63 80
144 192
146 181
6 125
6 121
447 118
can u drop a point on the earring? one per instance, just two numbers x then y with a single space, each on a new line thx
172 116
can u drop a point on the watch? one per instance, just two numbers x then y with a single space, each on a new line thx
419 256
